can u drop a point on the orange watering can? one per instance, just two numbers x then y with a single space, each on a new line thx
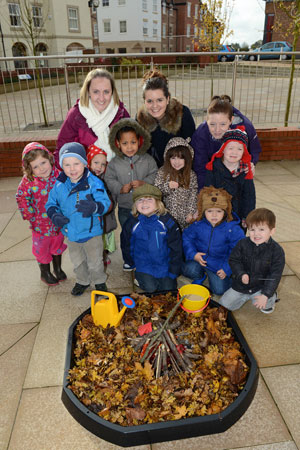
105 309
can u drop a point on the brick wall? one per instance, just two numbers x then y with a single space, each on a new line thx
277 144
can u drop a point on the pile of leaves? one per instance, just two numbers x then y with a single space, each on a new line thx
110 380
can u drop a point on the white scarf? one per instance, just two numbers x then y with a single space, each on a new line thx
99 122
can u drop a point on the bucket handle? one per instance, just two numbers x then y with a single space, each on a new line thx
198 310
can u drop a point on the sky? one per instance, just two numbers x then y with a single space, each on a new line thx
247 21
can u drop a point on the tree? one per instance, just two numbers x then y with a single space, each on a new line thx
236 46
256 44
33 17
244 47
292 11
212 26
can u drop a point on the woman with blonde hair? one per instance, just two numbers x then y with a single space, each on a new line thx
95 112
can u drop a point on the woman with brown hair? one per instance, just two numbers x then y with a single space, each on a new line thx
162 116
97 110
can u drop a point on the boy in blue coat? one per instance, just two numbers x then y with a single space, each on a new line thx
151 241
77 203
208 242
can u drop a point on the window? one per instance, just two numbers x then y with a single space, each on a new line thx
154 30
37 16
164 30
171 10
155 6
195 31
110 50
188 48
145 27
164 8
171 29
144 5
122 50
164 48
95 30
123 26
14 14
196 11
147 49
153 50
188 9
106 25
73 19
188 30
122 2
105 2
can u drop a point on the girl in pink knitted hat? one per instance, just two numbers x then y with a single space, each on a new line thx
32 195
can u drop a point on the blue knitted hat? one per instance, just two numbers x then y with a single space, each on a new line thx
72 149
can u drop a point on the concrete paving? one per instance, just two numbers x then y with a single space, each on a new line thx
34 322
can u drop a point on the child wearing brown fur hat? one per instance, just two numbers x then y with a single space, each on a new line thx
208 242
230 168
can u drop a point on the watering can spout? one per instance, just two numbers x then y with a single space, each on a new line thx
105 310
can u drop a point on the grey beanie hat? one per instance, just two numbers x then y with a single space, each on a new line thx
178 142
73 149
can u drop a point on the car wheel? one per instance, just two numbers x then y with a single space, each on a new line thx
283 57
252 58
223 58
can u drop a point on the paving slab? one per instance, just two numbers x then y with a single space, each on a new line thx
16 232
284 385
261 424
269 335
9 183
13 366
43 423
292 256
290 445
11 334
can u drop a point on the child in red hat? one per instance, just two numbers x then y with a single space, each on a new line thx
97 163
230 169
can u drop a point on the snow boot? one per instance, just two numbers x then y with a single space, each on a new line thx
59 273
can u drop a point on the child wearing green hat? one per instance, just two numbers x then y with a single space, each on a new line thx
151 241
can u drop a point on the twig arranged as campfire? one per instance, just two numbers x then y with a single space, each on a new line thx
162 348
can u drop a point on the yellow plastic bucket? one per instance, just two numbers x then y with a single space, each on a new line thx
197 300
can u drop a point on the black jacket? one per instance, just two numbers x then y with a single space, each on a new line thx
242 190
258 261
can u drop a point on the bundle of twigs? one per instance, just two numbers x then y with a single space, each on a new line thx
162 348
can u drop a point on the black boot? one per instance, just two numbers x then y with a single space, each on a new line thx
46 275
59 273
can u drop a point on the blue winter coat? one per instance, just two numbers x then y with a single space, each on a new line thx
152 245
63 199
216 242
205 145
241 189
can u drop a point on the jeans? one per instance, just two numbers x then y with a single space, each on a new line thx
123 214
151 284
233 300
194 270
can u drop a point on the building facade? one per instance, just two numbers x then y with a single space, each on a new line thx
59 27
277 23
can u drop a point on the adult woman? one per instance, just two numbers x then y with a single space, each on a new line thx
164 117
89 120
206 140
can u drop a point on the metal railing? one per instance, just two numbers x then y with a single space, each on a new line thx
258 88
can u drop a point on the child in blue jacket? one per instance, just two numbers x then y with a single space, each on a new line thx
151 241
77 203
208 242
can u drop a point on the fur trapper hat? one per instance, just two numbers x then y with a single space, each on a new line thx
238 135
146 190
143 135
178 142
211 197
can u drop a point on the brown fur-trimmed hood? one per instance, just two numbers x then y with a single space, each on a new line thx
144 136
171 121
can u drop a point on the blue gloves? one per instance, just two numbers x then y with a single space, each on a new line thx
59 220
89 207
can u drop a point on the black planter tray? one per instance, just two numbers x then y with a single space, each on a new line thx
161 431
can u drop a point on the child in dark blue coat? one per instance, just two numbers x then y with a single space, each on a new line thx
208 242
151 241
230 169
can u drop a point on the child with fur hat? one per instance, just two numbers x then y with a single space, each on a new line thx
76 202
131 167
178 182
151 241
208 242
257 263
230 168
97 163
32 194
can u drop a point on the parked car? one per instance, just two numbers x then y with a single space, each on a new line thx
276 46
224 58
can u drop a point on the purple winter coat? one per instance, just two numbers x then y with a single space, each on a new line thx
76 129
205 145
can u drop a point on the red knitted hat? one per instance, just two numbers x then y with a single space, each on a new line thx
238 135
93 150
